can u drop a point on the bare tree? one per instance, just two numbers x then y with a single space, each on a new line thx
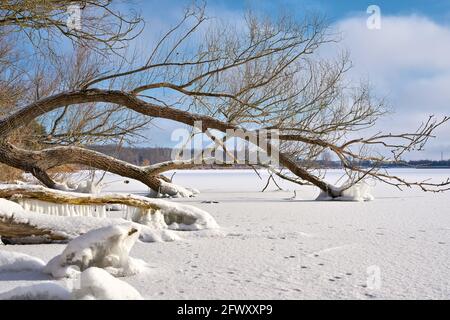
260 75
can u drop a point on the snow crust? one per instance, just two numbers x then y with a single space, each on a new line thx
97 284
106 248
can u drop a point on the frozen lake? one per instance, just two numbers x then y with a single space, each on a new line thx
273 247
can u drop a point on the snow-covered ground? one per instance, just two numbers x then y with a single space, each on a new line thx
276 247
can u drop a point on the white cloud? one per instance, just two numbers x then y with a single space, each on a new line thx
408 61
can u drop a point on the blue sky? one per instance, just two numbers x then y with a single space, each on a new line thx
407 60
438 10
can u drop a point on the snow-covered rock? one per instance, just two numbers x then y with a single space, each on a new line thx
15 261
41 291
97 284
106 248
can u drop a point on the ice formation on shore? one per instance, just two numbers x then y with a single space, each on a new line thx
106 248
175 216
66 210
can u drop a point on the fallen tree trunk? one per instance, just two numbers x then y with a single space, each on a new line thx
37 162
50 212
15 232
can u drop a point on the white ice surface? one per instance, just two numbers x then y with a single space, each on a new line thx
291 249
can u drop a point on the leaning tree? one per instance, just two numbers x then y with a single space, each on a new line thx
227 79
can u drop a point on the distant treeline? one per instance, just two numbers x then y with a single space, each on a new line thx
404 164
144 156
134 155
151 155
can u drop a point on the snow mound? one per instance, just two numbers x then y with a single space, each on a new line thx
15 262
360 191
97 284
41 291
106 248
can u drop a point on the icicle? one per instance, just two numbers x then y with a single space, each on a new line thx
103 212
126 213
